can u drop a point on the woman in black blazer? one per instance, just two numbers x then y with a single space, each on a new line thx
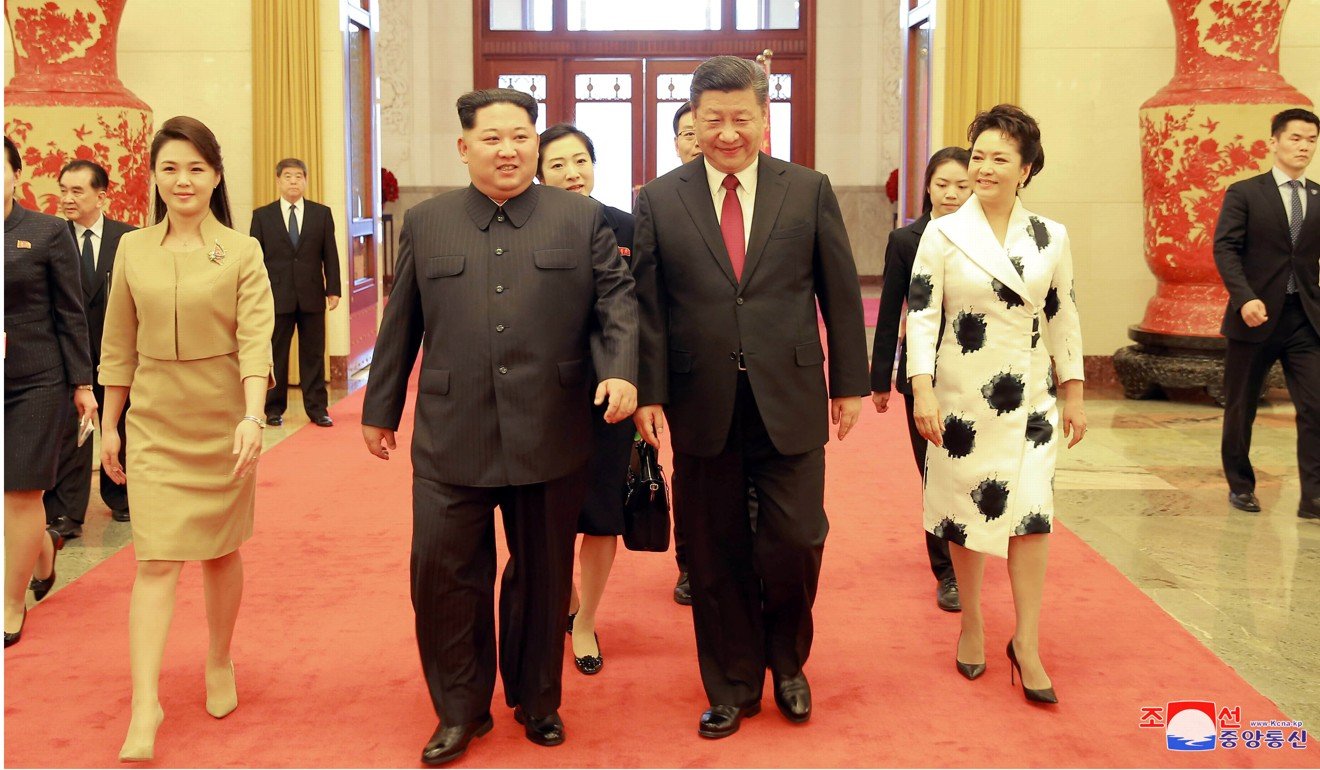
46 357
568 161
946 189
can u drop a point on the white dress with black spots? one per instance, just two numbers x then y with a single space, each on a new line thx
1005 311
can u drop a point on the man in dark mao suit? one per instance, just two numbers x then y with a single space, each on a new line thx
84 188
1267 248
297 239
513 292
732 253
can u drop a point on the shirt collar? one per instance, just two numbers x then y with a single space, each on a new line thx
285 205
518 209
1281 178
746 177
97 228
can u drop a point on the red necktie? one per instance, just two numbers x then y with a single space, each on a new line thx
731 225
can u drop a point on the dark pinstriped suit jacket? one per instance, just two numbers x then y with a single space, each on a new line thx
45 325
502 307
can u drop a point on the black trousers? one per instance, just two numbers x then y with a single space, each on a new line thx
311 362
752 589
453 592
73 484
937 548
1294 342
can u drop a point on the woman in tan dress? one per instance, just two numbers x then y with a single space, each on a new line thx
188 330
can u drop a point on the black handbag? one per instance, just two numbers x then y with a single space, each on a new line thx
645 502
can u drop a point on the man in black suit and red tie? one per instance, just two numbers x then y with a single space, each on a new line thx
731 255
297 237
1267 248
513 292
84 188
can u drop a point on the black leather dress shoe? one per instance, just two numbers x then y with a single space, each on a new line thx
793 697
67 528
1245 501
323 421
723 721
1309 509
545 731
274 420
450 743
683 590
121 515
946 596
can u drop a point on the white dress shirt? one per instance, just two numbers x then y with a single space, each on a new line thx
746 193
1282 179
96 230
302 214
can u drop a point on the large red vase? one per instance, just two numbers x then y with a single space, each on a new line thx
66 101
1200 133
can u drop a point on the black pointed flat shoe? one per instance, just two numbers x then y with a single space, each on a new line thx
591 664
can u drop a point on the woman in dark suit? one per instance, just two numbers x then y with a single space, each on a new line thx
568 161
46 356
945 190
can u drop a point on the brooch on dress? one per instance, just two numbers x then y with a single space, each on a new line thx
218 253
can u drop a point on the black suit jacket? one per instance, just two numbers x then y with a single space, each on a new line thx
45 326
97 293
1255 253
696 316
300 278
900 254
509 317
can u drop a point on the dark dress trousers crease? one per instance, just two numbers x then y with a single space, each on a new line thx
46 346
511 307
301 278
739 367
1256 254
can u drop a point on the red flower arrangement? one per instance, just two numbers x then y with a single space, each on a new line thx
891 186
389 186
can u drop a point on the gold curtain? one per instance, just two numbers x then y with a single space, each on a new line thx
982 42
286 92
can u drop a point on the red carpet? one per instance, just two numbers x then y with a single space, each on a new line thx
329 677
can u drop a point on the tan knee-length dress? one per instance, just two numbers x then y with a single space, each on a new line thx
183 330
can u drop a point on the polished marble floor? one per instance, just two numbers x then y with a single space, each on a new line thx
1145 490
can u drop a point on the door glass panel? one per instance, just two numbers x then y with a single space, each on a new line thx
767 14
529 84
609 124
361 204
609 15
781 116
521 14
598 87
671 92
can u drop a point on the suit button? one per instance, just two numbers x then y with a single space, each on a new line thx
504 370
499 252
739 300
499 289
499 218
499 328
733 356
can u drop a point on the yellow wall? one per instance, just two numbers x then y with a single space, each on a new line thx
1086 68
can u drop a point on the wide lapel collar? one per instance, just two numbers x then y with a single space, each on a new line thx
970 232
694 191
771 189
1269 187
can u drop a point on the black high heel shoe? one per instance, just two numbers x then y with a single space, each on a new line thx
968 670
591 664
12 639
41 586
1037 696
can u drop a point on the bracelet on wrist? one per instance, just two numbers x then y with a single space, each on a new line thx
253 418
82 387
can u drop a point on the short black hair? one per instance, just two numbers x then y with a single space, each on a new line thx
729 73
100 179
290 163
956 154
683 109
470 102
555 133
12 157
1014 122
1281 121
